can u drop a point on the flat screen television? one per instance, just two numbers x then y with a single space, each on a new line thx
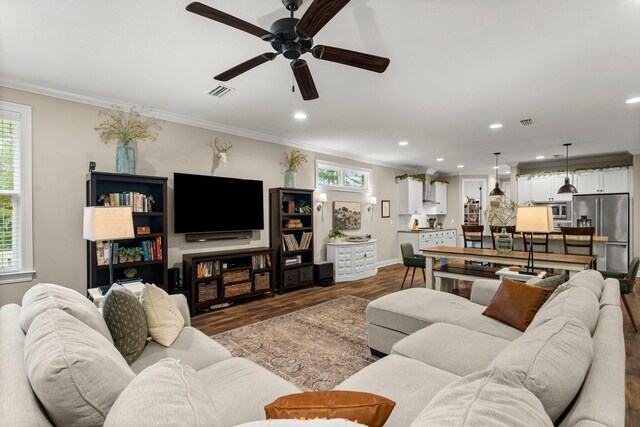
211 204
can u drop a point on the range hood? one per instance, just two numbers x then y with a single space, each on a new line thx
427 197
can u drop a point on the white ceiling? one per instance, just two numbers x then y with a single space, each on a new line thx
457 66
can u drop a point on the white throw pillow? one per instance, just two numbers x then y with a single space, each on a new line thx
163 316
45 296
75 372
168 393
551 361
575 302
493 397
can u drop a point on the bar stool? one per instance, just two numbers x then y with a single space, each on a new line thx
472 234
541 243
583 245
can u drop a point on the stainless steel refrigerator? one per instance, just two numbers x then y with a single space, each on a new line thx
609 214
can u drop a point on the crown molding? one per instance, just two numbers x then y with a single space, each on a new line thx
196 122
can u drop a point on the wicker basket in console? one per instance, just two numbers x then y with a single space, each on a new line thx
262 281
237 289
237 275
207 291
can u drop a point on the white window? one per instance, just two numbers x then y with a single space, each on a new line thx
16 241
342 177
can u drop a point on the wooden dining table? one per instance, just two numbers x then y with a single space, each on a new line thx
570 263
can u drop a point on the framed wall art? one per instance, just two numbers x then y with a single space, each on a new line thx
347 215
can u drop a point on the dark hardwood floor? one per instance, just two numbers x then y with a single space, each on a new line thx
386 281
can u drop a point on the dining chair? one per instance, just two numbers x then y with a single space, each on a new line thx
627 282
582 244
412 260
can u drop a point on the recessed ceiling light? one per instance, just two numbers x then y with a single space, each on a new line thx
439 159
460 166
496 167
403 143
495 126
300 116
633 100
539 157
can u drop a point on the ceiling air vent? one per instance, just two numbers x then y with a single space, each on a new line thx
220 91
526 122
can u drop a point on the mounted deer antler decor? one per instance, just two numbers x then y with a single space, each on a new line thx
219 153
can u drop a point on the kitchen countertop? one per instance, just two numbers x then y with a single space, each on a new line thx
558 236
427 230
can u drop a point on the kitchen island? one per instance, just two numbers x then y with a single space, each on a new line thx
425 238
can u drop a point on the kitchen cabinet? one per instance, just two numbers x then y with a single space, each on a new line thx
410 197
524 189
604 181
542 188
427 239
439 195
353 261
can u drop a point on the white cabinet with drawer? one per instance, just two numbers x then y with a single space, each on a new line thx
352 261
437 238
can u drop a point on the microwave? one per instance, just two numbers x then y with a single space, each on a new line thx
561 210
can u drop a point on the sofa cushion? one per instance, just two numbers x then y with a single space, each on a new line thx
551 361
577 302
208 351
45 296
126 321
168 393
75 372
164 319
409 383
588 279
451 348
19 406
240 389
366 408
412 309
493 397
516 303
550 283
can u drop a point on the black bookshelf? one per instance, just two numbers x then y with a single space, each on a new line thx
153 271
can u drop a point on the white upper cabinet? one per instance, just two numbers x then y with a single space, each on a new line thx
541 188
439 195
605 181
524 190
410 197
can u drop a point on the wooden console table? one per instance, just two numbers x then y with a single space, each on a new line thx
571 263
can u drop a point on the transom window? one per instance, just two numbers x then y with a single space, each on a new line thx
342 177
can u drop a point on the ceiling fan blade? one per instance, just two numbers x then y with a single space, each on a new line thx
319 13
224 18
305 81
245 66
365 61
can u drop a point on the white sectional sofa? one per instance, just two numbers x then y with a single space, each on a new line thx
435 338
239 387
566 368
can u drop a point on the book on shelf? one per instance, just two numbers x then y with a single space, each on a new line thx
102 253
207 269
260 262
293 223
290 243
129 281
136 200
291 261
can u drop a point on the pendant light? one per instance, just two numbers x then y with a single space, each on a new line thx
496 191
567 188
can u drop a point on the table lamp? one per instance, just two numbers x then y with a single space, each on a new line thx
533 219
108 223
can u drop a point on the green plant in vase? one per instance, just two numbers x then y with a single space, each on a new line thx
336 235
303 207
126 129
502 213
130 272
291 162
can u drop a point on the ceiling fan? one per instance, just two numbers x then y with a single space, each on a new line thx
292 37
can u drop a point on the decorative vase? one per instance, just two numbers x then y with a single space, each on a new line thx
137 258
125 158
504 242
290 178
122 259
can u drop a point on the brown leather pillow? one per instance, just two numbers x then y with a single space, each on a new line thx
364 408
516 303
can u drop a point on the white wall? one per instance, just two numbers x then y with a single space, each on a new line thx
64 141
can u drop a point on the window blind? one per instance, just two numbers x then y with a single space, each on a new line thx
10 236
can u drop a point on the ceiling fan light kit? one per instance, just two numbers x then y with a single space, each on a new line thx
292 37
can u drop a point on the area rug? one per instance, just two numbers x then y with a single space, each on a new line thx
315 348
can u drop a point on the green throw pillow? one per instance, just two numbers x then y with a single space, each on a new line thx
126 321
548 283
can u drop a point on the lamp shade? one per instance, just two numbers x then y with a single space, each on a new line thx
107 223
373 201
534 219
322 197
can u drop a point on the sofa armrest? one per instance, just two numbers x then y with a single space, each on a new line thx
181 301
482 291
